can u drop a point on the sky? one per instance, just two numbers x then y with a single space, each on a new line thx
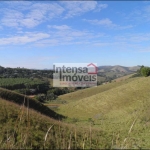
37 34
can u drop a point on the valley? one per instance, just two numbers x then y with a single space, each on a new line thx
112 115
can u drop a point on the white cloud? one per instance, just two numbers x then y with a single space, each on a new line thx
24 39
18 5
30 17
78 7
125 27
134 38
11 18
48 10
65 35
74 8
100 7
104 22
107 23
62 27
140 15
29 14
55 35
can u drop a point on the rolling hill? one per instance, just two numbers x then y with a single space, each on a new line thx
80 94
27 101
113 116
109 73
122 110
24 128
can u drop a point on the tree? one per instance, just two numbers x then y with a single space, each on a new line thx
140 70
145 71
51 96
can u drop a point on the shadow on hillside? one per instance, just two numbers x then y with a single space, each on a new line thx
33 104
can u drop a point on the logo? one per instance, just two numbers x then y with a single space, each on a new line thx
92 69
75 74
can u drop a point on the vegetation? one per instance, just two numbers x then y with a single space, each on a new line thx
23 128
105 73
32 103
85 93
39 87
24 73
113 115
122 110
145 71
31 82
115 118
25 85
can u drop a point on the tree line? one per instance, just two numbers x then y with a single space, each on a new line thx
24 73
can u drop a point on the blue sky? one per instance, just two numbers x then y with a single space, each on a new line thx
37 34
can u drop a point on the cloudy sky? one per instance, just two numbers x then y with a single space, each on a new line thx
37 34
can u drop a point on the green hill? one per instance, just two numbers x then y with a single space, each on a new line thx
114 115
23 128
32 103
122 110
31 125
80 94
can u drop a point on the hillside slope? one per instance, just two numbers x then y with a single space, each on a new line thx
122 110
23 128
120 97
108 73
80 94
32 103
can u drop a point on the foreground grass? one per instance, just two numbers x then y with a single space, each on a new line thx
122 110
23 128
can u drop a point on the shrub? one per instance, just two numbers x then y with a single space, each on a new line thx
145 71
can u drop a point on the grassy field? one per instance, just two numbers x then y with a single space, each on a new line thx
123 78
32 103
23 128
80 94
122 110
113 116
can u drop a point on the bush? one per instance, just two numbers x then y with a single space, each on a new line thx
145 71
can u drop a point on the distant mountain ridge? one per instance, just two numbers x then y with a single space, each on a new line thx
109 73
118 68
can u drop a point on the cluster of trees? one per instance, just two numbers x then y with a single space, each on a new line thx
144 71
30 82
24 73
33 82
25 85
53 93
33 86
